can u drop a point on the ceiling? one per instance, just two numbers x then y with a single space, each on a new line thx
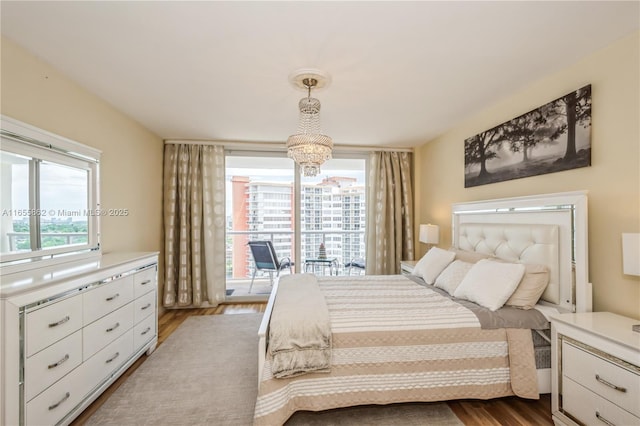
401 72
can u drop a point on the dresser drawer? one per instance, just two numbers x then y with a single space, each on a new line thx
144 332
49 365
51 323
107 298
54 404
105 330
592 409
108 359
144 281
602 377
145 306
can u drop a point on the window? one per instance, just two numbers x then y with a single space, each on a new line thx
48 198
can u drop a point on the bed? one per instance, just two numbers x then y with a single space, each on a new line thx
391 339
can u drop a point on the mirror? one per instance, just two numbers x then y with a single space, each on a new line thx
48 197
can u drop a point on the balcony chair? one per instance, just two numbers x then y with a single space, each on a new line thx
359 264
266 259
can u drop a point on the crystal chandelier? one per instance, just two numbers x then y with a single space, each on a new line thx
309 147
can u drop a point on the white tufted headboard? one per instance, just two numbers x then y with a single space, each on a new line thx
522 243
546 229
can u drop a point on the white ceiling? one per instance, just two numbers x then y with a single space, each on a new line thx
402 72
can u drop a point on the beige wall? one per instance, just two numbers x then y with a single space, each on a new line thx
613 180
131 166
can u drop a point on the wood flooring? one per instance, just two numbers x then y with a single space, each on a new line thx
509 411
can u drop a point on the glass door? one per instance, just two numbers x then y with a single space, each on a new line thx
260 207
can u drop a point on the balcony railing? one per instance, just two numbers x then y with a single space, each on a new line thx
69 238
350 246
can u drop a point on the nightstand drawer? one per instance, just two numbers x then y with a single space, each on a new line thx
605 378
592 409
406 267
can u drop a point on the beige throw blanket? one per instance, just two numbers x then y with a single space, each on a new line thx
300 330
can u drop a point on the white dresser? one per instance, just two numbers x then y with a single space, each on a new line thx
68 331
595 369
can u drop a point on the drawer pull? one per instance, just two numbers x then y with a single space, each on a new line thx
109 299
110 329
611 385
603 420
62 321
146 331
113 358
55 364
64 398
145 282
147 306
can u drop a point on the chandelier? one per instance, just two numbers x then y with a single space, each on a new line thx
309 147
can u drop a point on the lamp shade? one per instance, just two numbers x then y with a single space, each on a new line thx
631 254
429 234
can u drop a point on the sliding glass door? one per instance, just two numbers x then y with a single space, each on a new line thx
266 200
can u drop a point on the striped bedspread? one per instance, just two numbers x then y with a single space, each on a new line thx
397 341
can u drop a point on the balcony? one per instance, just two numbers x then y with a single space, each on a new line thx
240 262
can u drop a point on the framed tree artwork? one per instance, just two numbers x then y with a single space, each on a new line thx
551 138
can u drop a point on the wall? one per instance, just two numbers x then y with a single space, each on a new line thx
131 163
612 181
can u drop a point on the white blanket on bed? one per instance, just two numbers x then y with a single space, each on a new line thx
300 329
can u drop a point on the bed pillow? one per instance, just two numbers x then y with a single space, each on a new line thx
469 256
489 283
530 288
453 275
432 263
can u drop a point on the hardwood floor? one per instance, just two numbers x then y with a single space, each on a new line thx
510 411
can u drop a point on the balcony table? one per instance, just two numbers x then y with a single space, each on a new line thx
331 263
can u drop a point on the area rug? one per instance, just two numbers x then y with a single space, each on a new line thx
205 373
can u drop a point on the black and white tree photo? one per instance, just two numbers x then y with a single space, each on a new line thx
551 138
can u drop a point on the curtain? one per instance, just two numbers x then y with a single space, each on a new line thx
194 225
389 212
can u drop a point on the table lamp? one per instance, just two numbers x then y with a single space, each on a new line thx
429 234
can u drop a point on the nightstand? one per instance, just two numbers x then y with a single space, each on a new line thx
595 361
406 266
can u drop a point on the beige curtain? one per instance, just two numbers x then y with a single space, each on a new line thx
194 225
389 212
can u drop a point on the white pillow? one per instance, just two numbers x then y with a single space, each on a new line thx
453 275
490 283
432 263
